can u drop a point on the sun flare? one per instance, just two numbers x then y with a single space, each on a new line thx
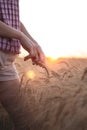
30 74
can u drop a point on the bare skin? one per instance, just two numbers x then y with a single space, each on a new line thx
28 43
10 89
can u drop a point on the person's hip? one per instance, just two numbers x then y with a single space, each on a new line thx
7 68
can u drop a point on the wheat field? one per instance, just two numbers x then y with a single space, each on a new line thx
57 101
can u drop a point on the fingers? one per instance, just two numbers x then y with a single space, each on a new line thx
37 62
41 55
35 53
32 55
34 60
27 57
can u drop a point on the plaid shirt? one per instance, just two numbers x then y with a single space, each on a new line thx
9 14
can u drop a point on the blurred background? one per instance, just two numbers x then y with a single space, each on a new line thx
59 26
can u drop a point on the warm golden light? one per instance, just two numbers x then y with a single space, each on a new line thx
30 74
64 33
66 51
51 59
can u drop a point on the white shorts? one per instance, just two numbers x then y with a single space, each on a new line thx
7 68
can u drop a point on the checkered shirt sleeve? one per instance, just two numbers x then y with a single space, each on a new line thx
9 14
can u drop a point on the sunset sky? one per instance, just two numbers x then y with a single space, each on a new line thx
59 26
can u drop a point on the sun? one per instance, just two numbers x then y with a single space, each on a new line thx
59 52
60 29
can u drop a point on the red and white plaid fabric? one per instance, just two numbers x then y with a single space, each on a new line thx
9 14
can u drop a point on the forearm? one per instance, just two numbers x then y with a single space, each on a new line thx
37 55
24 30
9 32
26 40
